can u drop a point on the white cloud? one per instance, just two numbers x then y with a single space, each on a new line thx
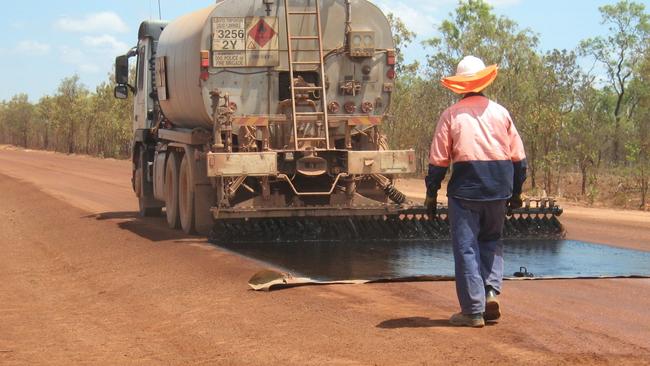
105 44
18 25
79 59
33 48
96 53
417 16
104 22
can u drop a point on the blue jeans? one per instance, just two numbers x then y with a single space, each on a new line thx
476 229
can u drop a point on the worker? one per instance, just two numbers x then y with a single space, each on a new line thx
478 138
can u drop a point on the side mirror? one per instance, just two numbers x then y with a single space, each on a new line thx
121 92
122 70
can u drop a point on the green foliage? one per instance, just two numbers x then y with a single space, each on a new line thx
620 53
73 120
403 37
568 117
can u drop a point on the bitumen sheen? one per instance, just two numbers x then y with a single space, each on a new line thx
384 260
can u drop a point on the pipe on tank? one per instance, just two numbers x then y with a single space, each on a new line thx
268 4
348 22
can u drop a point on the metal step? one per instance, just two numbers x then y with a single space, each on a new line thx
306 62
304 38
311 138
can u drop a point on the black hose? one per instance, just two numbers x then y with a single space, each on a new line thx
395 195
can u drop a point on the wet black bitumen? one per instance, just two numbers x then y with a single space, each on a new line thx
385 260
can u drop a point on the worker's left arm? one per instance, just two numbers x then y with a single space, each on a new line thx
439 156
519 162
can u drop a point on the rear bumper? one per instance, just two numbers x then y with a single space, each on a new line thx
267 163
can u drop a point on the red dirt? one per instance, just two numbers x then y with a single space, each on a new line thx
75 289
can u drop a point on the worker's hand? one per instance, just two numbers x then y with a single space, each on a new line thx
515 202
431 203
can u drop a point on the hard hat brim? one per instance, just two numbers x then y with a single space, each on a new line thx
471 84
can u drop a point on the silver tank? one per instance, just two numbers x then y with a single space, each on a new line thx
255 90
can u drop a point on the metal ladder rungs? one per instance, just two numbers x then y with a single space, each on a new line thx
297 38
307 88
312 139
306 62
318 39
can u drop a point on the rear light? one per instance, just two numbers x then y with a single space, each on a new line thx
390 58
350 107
391 74
205 59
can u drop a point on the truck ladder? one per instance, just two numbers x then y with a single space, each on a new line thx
297 116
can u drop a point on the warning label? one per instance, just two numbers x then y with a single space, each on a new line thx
261 33
229 59
245 42
229 34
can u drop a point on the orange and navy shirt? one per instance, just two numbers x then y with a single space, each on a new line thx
478 138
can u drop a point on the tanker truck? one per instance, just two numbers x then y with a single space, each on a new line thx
261 120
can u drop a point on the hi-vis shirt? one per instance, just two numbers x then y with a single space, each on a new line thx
479 138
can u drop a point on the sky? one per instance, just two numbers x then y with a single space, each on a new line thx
67 37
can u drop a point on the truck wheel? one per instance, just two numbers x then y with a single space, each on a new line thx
171 191
148 207
186 196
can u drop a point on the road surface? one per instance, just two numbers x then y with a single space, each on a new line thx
84 281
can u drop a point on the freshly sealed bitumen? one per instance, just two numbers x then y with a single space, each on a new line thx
384 260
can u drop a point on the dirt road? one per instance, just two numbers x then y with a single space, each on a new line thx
82 281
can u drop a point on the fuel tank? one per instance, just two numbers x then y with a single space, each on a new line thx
246 42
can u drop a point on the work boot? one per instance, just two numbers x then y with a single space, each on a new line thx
492 308
463 320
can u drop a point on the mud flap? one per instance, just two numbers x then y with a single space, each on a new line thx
204 194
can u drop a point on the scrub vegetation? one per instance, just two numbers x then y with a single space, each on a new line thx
584 114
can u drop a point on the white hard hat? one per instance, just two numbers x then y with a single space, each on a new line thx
470 66
471 76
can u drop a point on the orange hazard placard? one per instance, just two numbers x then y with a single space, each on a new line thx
262 33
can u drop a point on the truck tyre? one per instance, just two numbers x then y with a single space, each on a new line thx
186 196
171 191
203 191
148 206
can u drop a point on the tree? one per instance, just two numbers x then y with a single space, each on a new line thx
638 146
403 38
70 110
45 113
619 53
554 102
18 114
588 128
